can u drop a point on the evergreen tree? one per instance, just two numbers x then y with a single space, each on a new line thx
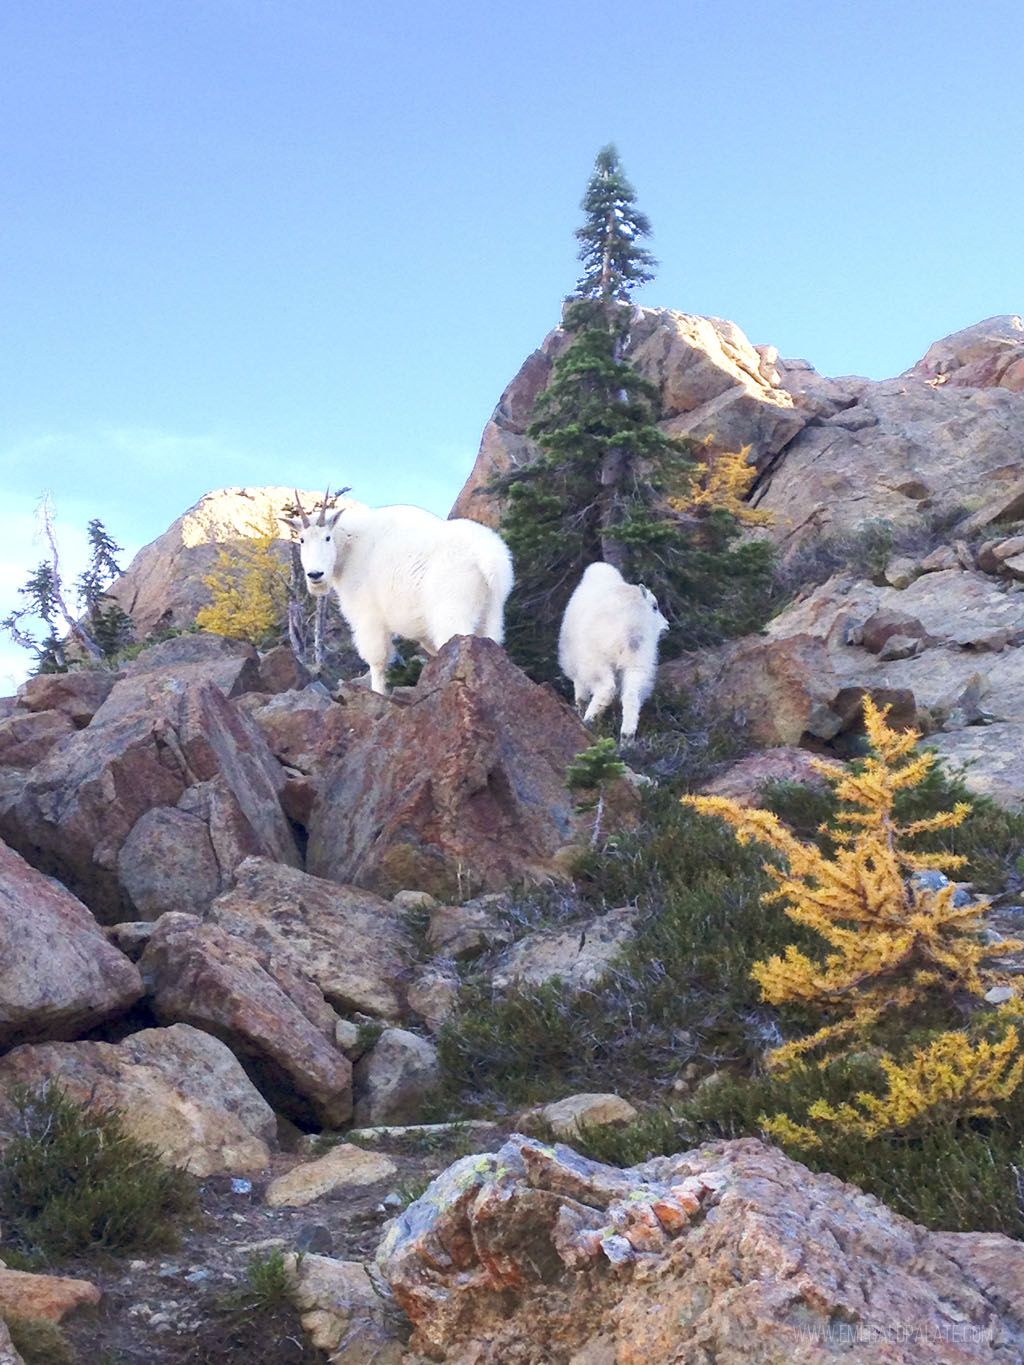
104 628
609 483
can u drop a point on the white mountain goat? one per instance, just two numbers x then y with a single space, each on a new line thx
608 643
403 571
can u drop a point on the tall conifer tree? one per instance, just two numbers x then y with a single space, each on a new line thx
600 489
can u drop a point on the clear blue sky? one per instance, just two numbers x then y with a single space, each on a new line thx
302 241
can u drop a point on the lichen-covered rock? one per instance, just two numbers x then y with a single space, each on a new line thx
731 1253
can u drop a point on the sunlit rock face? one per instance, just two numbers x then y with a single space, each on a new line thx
163 586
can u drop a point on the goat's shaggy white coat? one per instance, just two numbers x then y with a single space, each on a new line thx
608 644
403 571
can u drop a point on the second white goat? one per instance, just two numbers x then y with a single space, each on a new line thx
403 571
608 644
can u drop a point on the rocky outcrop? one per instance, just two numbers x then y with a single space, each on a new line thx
314 925
270 1015
464 788
167 748
730 1253
988 355
59 976
715 387
178 1088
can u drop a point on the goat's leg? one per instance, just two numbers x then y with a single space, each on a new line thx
634 682
581 695
374 648
602 698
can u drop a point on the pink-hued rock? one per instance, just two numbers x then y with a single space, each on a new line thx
154 739
58 974
268 1014
731 1253
463 786
177 1088
314 924
280 671
304 730
988 355
784 688
743 781
27 738
78 695
44 1297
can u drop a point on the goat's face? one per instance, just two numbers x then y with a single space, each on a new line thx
317 551
660 623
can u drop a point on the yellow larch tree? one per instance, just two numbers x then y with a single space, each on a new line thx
894 940
720 482
249 589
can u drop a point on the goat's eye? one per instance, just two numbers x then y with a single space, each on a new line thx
326 537
302 540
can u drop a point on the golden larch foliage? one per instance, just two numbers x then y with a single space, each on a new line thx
892 942
249 589
720 483
951 1078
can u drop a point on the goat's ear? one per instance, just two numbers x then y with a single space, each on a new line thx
293 523
333 521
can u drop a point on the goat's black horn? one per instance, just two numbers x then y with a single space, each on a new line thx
323 509
298 504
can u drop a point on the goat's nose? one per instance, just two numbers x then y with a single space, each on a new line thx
315 575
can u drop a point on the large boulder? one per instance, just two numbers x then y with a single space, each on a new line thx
156 742
77 695
966 687
272 1017
461 789
313 924
731 1253
177 1088
59 976
784 688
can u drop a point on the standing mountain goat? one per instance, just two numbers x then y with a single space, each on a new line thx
608 643
403 571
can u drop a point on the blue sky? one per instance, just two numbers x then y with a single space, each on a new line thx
310 241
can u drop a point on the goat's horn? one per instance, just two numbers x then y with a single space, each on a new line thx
323 509
298 504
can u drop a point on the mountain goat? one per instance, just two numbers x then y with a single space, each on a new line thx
403 571
608 643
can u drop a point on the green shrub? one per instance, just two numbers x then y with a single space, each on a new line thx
688 970
74 1182
39 1341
